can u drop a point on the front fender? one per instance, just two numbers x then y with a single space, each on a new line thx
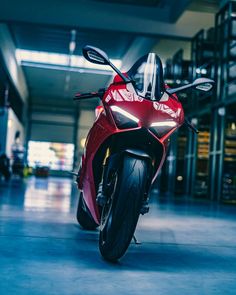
138 153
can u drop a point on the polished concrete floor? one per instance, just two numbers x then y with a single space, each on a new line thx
187 248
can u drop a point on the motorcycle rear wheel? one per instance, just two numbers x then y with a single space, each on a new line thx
121 212
83 216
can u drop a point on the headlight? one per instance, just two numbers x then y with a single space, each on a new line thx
163 127
124 119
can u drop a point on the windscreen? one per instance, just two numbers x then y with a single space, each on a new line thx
147 74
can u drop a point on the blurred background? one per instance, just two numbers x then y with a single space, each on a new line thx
42 67
189 241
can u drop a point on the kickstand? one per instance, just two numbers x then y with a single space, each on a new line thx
136 241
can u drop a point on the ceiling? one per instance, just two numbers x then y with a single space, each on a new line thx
47 87
152 3
125 16
205 5
57 39
116 26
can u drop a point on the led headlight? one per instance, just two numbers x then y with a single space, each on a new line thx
123 118
163 127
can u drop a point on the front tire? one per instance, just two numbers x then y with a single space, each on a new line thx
121 212
83 216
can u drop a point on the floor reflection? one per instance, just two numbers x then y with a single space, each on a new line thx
44 250
38 194
45 194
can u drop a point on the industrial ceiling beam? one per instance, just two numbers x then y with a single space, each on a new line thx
155 21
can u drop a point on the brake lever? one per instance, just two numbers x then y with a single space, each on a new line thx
190 126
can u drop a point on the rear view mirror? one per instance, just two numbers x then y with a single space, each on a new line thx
95 55
204 87
203 84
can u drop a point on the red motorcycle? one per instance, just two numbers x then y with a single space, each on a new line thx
126 147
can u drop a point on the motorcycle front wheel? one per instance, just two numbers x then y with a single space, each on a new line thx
121 212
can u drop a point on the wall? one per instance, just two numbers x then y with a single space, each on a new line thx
52 127
167 48
86 121
15 73
3 129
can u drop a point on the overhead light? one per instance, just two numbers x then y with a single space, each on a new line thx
221 111
41 57
201 71
9 123
198 71
72 46
179 178
233 126
67 68
58 59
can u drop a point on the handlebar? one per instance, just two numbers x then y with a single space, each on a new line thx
93 94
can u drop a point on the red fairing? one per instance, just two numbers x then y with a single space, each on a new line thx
167 111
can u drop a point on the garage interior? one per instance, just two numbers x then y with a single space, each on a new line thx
187 241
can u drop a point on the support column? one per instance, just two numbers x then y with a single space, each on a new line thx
217 153
4 120
75 139
171 165
190 164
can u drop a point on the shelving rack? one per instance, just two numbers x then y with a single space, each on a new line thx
229 167
182 73
201 183
180 173
223 143
197 156
210 157
225 52
178 71
203 57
